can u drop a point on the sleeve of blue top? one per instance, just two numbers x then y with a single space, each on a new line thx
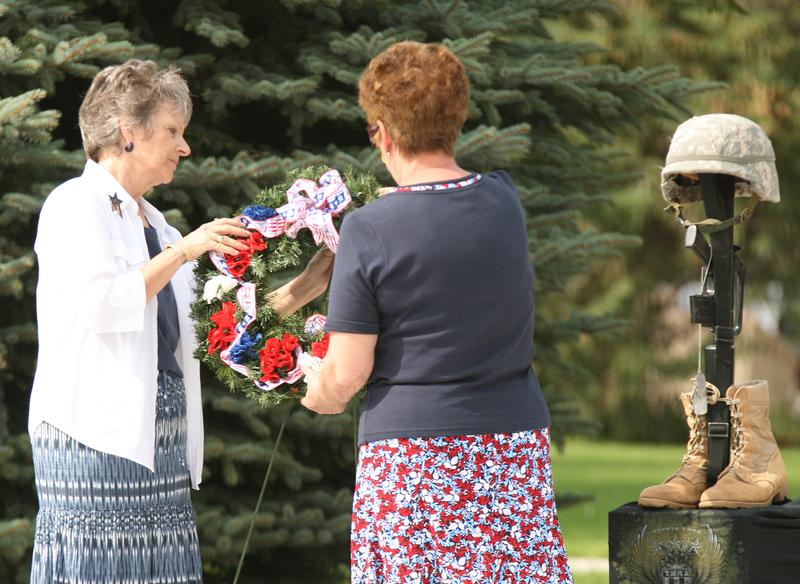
352 301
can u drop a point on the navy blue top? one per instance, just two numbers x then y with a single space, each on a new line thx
168 331
443 278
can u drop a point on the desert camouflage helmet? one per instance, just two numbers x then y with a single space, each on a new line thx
721 144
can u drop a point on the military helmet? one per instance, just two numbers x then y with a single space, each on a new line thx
720 144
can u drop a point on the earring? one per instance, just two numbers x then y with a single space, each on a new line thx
385 157
129 147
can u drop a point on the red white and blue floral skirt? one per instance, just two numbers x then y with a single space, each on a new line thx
457 509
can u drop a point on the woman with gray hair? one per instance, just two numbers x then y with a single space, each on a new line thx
115 416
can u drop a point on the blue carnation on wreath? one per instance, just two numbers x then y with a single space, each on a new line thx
259 212
246 349
240 337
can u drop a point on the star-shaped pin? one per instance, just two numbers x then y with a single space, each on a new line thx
116 203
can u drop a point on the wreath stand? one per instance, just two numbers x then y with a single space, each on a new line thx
709 546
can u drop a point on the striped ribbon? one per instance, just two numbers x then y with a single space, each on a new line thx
315 324
310 205
314 211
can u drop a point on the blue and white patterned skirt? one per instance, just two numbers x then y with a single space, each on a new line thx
108 520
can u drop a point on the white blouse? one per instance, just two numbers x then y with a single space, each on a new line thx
96 376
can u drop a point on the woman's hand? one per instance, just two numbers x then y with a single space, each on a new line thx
317 403
344 370
312 282
218 235
314 400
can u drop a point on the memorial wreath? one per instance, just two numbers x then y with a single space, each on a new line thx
240 337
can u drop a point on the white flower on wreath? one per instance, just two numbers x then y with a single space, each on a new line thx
217 286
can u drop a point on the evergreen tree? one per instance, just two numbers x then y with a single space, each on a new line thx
275 90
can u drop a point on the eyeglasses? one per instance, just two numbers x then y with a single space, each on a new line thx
371 131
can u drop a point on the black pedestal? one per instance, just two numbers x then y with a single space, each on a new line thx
714 546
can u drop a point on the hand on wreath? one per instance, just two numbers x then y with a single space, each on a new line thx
312 282
313 400
316 400
218 235
317 403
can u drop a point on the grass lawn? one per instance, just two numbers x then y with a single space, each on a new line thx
615 473
591 578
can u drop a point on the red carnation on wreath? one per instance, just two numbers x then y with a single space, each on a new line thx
320 348
221 336
277 354
238 263
255 242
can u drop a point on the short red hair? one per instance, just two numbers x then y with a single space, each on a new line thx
420 92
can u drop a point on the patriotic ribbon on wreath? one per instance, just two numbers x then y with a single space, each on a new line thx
246 296
314 211
315 324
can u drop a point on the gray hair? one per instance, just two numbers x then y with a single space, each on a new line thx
128 94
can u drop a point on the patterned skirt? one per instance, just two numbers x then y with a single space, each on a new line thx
457 509
108 520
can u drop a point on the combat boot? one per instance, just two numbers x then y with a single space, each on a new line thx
683 489
756 475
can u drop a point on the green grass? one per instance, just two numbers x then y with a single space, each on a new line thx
591 578
615 473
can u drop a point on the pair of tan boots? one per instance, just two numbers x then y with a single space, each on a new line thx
755 476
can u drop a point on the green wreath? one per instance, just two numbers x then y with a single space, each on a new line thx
240 336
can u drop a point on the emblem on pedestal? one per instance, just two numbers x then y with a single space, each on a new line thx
676 556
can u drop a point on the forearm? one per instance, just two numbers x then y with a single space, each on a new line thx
335 388
219 235
345 370
293 295
159 270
